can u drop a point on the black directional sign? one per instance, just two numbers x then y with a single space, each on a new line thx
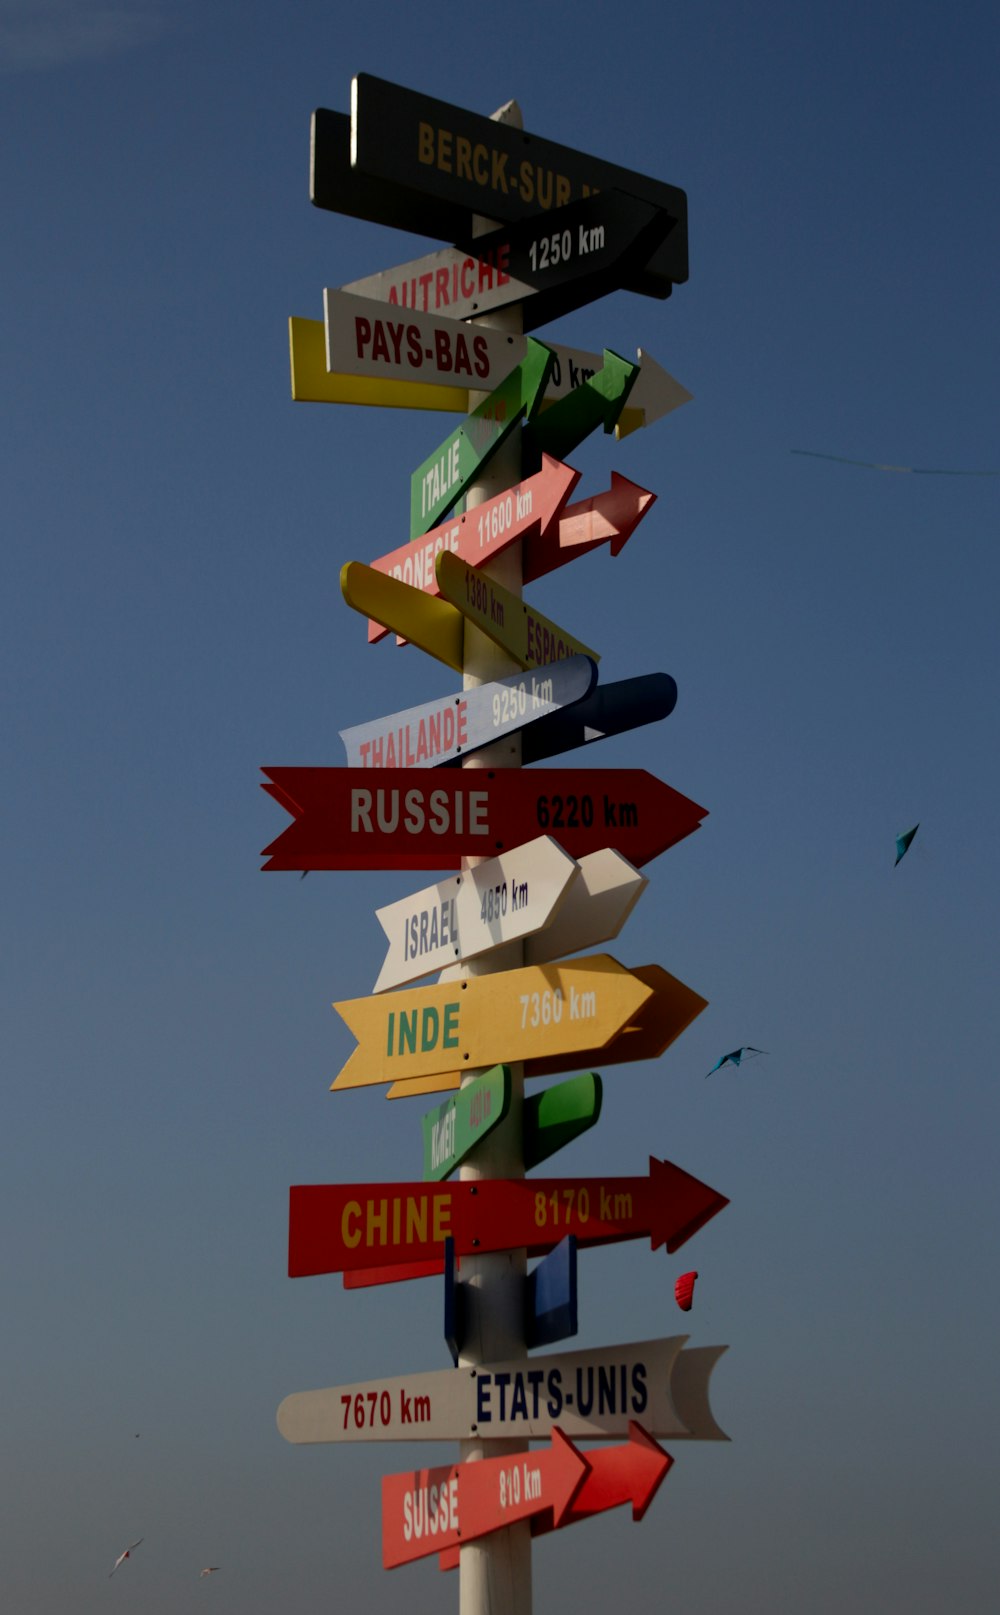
414 163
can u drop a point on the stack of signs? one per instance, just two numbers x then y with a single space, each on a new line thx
548 859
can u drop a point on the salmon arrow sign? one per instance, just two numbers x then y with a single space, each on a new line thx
445 730
529 507
426 1510
548 266
605 518
334 1228
611 709
654 395
379 818
470 914
592 1394
632 1474
446 474
538 1011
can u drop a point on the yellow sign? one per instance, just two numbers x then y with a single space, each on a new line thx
431 623
531 639
541 1011
312 383
663 1016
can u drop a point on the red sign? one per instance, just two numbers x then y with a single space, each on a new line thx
632 1473
336 1228
427 1510
480 534
610 518
399 818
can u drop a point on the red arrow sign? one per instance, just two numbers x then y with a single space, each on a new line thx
632 1473
336 1228
427 1510
610 517
481 533
398 818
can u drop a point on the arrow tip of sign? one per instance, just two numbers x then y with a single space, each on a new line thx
654 1466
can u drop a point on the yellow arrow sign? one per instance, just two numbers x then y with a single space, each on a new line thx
531 639
433 624
541 1011
663 1016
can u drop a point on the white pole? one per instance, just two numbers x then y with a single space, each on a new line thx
495 1570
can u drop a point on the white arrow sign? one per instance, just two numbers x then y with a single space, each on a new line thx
503 899
367 337
596 907
587 1393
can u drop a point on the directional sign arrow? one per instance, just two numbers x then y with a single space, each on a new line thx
455 1127
445 730
548 266
426 1510
408 359
611 709
469 914
446 474
413 163
334 1228
394 818
654 394
434 625
529 507
538 1011
662 1018
597 402
609 518
591 1394
527 636
594 910
557 1115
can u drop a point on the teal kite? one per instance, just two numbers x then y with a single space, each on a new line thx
903 842
735 1057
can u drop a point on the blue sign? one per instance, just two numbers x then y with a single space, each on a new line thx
550 1303
611 709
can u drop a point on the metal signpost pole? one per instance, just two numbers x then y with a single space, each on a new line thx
495 1571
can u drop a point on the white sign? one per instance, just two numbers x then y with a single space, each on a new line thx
367 337
586 1393
499 901
597 905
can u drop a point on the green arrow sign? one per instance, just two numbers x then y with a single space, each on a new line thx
553 1118
451 1130
443 478
598 401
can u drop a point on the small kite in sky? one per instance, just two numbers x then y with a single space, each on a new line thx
209 1570
684 1290
903 843
123 1556
735 1056
875 465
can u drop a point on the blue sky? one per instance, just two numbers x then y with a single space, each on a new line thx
174 530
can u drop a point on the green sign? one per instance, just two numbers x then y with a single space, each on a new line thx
557 1115
451 1130
598 401
444 476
